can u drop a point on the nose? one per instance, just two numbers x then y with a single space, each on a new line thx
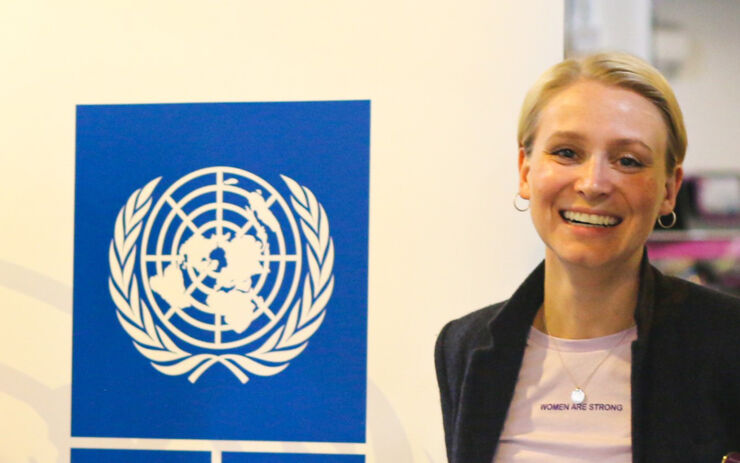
594 180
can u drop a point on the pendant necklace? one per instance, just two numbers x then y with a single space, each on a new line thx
578 395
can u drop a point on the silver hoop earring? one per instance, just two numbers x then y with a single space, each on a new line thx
669 225
516 206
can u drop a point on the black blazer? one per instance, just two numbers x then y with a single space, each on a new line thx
685 371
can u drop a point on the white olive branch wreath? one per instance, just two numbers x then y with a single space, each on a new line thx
283 345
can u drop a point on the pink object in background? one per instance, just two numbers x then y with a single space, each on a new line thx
710 249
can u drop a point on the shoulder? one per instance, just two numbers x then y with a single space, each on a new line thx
695 349
701 316
459 337
508 320
695 302
470 331
455 343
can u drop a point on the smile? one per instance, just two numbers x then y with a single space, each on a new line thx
590 220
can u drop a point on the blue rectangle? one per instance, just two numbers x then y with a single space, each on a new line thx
137 456
289 458
220 274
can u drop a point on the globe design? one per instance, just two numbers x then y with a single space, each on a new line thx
221 258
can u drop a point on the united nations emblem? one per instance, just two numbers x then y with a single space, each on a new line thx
221 269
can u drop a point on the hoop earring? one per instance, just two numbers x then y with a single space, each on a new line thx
669 225
516 206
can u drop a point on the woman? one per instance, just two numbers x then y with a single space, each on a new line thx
597 357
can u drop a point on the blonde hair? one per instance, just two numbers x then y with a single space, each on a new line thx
617 69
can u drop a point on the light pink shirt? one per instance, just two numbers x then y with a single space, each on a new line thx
543 424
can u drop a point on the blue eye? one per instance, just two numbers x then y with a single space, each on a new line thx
565 153
629 162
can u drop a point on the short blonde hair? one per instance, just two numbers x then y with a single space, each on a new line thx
617 69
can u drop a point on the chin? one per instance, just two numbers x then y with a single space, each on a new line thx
594 259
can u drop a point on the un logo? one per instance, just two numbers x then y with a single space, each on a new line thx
221 269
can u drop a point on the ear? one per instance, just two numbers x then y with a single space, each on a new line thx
672 185
523 173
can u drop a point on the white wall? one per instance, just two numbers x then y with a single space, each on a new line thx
445 79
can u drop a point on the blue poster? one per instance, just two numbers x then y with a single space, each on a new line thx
220 271
289 458
137 456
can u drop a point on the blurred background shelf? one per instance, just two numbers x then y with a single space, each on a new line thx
708 257
669 236
705 245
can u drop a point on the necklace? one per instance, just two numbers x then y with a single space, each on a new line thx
578 395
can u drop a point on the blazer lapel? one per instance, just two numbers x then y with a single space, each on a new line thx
640 375
492 372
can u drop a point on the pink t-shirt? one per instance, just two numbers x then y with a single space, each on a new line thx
543 424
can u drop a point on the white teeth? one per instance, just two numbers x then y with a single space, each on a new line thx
590 219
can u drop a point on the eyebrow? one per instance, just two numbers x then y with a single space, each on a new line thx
618 142
631 141
566 134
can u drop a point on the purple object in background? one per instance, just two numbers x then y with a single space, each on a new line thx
701 249
732 457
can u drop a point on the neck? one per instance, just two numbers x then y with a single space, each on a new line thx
584 302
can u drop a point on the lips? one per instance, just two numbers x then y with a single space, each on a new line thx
590 220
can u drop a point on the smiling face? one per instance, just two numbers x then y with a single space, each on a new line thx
596 176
